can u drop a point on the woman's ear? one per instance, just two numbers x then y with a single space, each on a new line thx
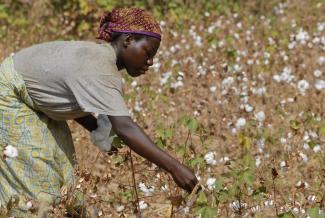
127 40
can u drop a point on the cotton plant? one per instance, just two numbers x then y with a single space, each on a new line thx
285 76
148 191
302 86
209 158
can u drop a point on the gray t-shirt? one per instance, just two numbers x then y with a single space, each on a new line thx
70 79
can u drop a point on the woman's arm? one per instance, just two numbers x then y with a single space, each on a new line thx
88 122
134 137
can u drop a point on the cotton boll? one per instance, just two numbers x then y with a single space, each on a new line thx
211 183
258 161
134 83
10 151
320 27
317 73
302 36
165 188
119 208
241 122
227 81
145 189
317 149
260 116
248 108
209 158
143 205
236 205
176 84
283 164
320 84
285 76
312 198
302 86
213 88
259 91
303 156
165 77
321 60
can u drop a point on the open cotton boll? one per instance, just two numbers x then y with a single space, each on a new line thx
209 158
143 205
119 208
147 191
213 88
285 76
10 151
317 73
211 183
260 116
248 108
302 36
320 84
302 86
321 60
241 122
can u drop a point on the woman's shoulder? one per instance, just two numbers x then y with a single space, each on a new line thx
75 51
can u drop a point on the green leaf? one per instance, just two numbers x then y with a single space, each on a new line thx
160 143
222 196
198 161
286 215
180 151
244 141
118 159
207 212
248 177
314 212
312 144
249 161
294 124
192 124
259 191
321 132
202 199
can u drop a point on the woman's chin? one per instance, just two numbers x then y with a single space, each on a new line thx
135 73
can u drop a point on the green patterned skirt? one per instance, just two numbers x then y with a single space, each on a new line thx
43 158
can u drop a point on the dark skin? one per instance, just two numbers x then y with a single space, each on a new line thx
126 48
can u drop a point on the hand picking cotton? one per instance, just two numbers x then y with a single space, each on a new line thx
102 136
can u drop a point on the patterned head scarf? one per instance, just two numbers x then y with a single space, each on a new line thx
128 20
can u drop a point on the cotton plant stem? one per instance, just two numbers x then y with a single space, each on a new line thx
276 207
274 175
185 146
183 159
134 184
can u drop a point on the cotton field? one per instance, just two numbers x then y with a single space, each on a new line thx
239 97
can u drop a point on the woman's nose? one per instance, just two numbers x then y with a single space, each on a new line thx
150 61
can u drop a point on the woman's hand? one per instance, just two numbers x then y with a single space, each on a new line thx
134 137
184 177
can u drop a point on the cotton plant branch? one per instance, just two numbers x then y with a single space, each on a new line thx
134 184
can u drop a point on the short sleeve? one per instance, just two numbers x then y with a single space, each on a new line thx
100 94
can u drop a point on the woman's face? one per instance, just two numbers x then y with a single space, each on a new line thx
137 55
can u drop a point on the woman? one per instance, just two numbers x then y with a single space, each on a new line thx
44 85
